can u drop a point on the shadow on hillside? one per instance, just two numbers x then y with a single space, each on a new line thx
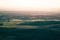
40 23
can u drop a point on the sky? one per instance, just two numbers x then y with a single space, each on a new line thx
30 5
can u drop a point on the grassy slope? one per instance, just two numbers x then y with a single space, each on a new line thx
28 34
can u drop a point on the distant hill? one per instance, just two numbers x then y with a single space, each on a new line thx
21 15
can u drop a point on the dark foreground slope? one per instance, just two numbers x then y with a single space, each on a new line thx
50 31
28 34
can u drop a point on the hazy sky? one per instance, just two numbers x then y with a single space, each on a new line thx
34 5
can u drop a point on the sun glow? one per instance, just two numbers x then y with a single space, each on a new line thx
42 5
